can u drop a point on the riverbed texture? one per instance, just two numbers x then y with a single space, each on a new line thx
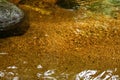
61 43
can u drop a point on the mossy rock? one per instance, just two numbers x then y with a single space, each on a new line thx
107 7
115 2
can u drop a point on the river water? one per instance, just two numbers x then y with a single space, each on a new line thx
63 45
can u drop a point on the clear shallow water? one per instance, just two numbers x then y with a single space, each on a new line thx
65 45
12 73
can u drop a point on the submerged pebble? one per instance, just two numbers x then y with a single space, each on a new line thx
10 15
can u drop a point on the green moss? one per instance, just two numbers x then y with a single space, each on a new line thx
114 2
107 7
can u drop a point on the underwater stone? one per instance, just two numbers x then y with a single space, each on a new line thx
68 4
10 15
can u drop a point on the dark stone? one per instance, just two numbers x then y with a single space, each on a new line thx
10 15
68 4
18 29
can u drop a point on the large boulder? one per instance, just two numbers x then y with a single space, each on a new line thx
10 15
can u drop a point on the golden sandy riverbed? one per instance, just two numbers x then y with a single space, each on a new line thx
64 43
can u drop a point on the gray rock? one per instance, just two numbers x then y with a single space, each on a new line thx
10 15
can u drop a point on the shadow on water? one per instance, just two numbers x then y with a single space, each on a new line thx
20 29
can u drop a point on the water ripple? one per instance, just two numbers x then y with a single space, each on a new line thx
12 73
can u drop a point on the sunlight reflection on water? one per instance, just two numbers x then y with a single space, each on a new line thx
88 75
50 74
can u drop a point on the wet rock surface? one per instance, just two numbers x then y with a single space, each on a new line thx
10 15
